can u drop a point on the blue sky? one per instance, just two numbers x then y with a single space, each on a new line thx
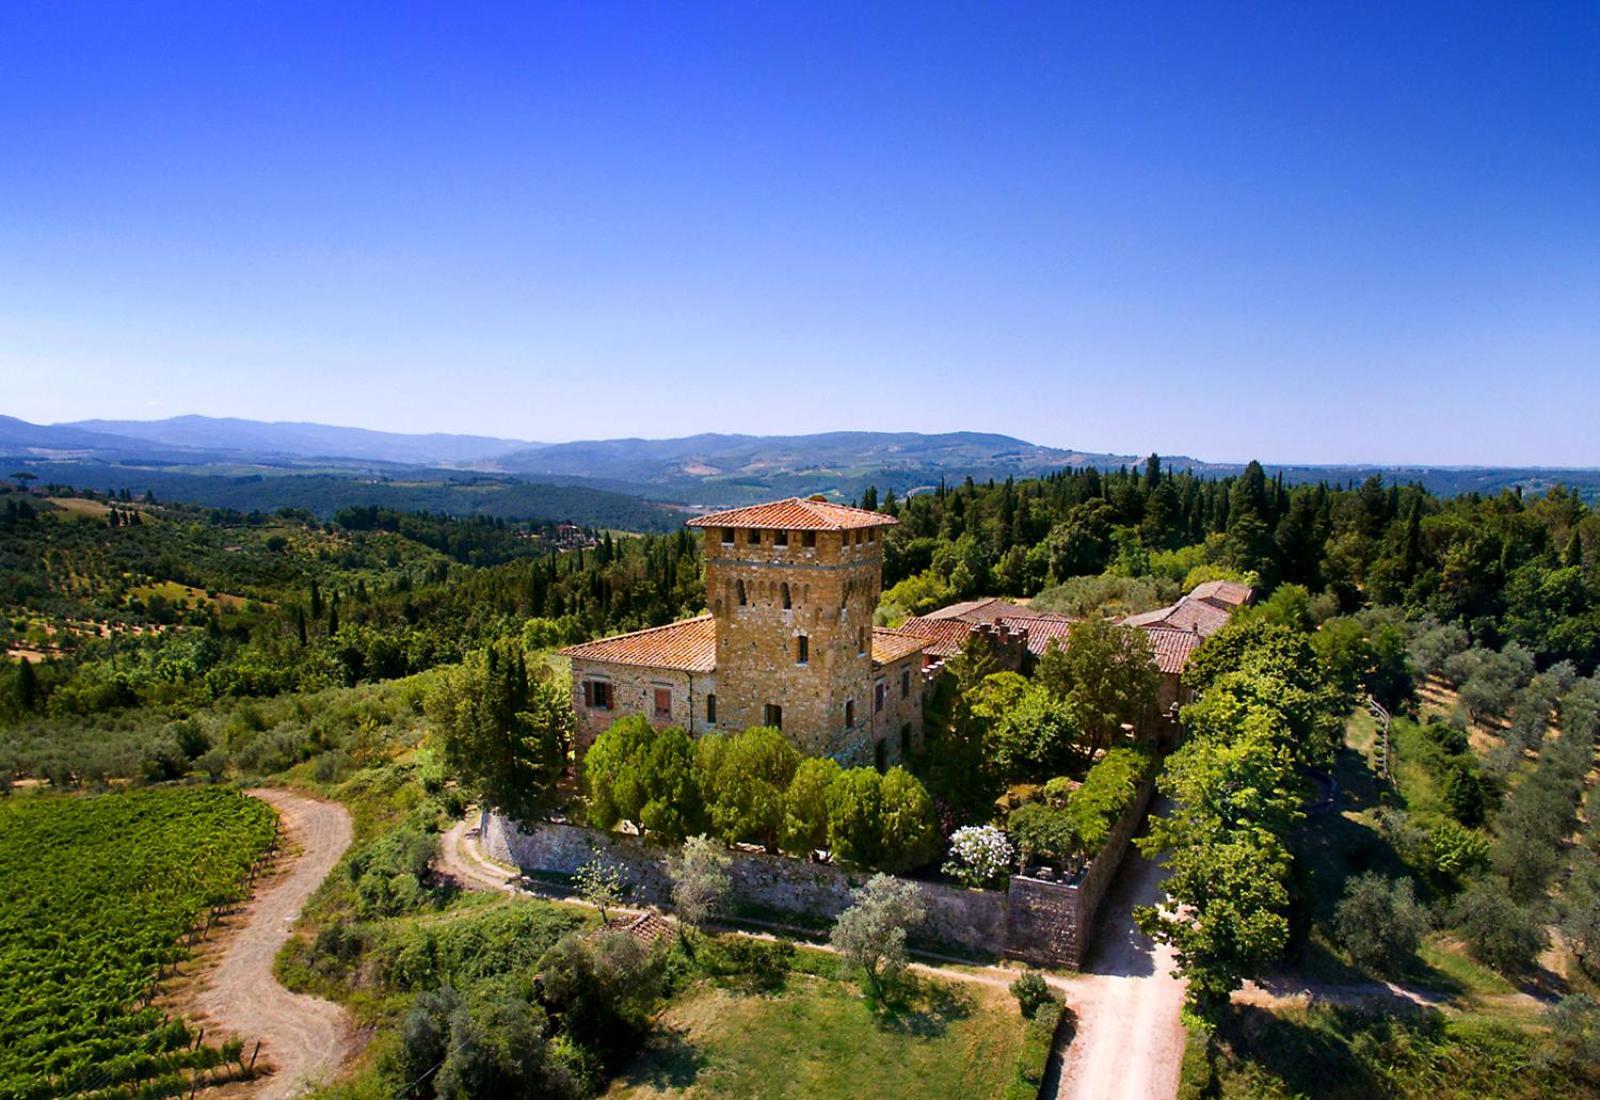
1362 233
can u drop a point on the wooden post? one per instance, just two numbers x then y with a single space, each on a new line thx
253 1054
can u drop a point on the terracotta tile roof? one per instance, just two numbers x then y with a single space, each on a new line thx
1172 647
990 609
944 637
1223 593
1042 629
1200 616
797 514
889 646
688 646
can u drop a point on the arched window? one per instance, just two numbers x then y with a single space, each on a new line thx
787 601
738 588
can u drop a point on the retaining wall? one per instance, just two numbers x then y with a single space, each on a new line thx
1043 922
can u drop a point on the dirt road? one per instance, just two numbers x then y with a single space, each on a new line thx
304 1038
1129 1044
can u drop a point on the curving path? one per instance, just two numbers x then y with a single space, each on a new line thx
304 1038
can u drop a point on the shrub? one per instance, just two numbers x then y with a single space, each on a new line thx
1041 833
1498 931
855 817
1031 992
805 806
910 834
979 854
1379 922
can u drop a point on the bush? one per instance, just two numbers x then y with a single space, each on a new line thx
1498 931
1032 992
979 855
1379 922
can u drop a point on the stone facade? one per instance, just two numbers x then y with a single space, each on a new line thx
632 689
788 641
794 630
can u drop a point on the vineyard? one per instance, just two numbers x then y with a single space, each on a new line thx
97 898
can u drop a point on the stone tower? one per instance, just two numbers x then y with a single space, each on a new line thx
793 586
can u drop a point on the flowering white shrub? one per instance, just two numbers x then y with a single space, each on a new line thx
979 854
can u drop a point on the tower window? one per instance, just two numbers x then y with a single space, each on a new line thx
905 683
787 601
727 536
849 712
878 695
861 639
802 650
711 709
780 538
755 537
809 539
772 715
738 588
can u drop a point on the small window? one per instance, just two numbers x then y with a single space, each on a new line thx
727 536
872 534
861 639
809 539
738 588
788 602
780 538
711 709
880 756
802 650
772 715
754 538
879 693
905 740
663 702
849 712
597 694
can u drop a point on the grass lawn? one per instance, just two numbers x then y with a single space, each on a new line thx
816 1039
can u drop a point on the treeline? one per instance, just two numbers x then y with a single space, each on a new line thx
1503 568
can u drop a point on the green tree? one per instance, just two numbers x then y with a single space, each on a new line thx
805 806
855 817
1379 922
505 734
700 881
743 778
910 832
634 772
871 934
1107 675
1497 930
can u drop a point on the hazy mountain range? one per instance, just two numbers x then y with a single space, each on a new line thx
640 483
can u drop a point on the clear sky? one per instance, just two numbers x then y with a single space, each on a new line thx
1355 233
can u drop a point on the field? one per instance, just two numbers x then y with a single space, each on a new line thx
95 893
817 1039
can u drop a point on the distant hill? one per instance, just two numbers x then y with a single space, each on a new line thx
258 439
708 470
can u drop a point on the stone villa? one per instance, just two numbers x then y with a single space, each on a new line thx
788 642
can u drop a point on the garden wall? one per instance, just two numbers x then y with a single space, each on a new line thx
1040 921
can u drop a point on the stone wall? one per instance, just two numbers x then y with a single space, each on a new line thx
1047 923
1051 923
971 919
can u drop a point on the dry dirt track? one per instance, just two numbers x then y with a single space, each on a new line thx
304 1038
1129 1044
